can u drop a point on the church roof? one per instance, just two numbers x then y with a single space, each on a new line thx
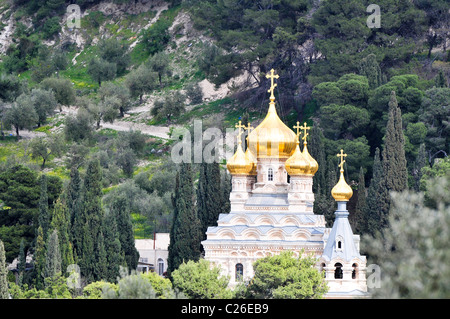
341 232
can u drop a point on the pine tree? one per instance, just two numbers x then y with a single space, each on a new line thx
395 174
44 216
185 235
4 293
53 256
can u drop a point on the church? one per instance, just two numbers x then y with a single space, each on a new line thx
272 210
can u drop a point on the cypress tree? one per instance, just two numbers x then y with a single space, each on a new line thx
316 148
375 193
421 162
39 259
120 208
370 68
395 174
394 160
209 196
91 220
185 234
4 293
44 216
22 262
226 190
61 223
113 248
356 218
100 270
53 256
92 197
73 194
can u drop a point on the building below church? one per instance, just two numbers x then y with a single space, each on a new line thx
153 253
272 210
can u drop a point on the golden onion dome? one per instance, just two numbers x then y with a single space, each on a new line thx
251 158
313 165
239 163
272 138
297 164
342 192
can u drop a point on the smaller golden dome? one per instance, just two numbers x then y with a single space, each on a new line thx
297 164
313 165
251 159
239 163
342 192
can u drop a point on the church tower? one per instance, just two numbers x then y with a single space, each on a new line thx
345 268
272 203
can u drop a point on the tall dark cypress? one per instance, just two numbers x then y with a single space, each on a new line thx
120 209
209 196
44 216
113 249
395 173
185 235
75 211
356 217
89 222
394 160
375 198
226 190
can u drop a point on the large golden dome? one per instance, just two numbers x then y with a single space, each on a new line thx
272 138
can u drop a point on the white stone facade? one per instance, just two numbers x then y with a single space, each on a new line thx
269 215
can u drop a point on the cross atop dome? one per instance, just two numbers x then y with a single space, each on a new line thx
272 76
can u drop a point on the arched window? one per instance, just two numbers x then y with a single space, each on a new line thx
339 243
322 270
160 266
354 271
239 272
338 274
270 174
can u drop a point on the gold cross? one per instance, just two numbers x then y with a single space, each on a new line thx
342 155
272 85
249 127
239 126
298 128
305 133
